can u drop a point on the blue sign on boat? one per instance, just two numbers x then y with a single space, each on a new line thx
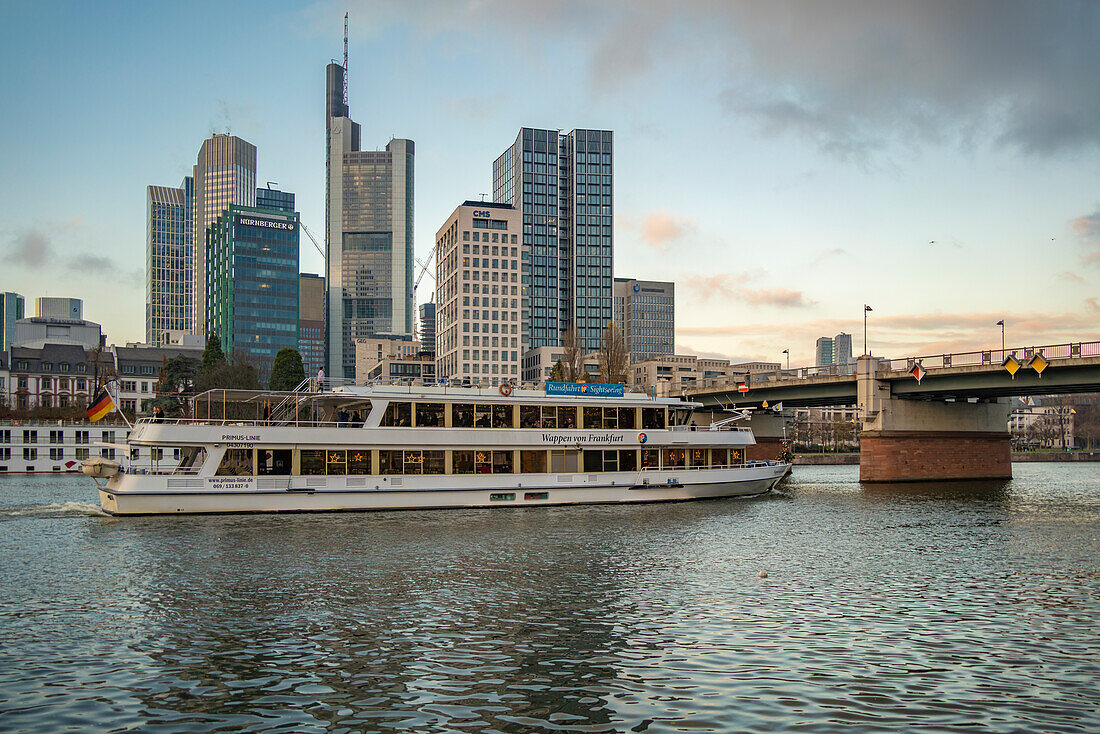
585 389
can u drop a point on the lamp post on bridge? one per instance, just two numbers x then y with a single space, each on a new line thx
1001 324
866 310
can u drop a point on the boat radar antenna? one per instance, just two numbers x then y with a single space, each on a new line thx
345 60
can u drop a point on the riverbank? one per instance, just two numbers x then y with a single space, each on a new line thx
1018 457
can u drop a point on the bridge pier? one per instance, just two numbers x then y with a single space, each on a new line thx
912 440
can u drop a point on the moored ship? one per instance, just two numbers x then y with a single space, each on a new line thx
380 447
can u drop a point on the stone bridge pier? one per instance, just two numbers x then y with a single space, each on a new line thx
915 440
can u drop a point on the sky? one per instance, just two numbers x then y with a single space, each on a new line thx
785 163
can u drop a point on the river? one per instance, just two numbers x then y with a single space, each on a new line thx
919 608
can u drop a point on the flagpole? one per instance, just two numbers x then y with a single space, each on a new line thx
118 400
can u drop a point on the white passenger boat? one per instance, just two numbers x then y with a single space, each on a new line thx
387 447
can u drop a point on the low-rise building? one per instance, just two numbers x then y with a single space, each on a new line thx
671 374
369 353
52 376
417 368
38 331
138 367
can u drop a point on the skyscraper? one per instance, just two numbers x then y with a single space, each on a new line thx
11 310
645 312
311 321
224 175
824 352
251 288
427 327
563 186
169 261
842 349
368 233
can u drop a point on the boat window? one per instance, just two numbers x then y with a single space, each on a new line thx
627 417
503 416
610 460
397 414
737 456
674 458
697 457
273 462
391 462
193 456
429 414
359 461
681 417
653 418
593 417
532 462
435 462
502 462
462 462
336 462
462 415
563 461
312 461
235 463
719 457
651 458
628 460
593 461
483 415
567 416
529 416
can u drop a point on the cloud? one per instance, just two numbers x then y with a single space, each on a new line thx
827 254
849 75
93 264
1072 277
30 248
734 286
661 230
1087 228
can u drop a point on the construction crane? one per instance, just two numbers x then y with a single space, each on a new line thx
424 264
312 239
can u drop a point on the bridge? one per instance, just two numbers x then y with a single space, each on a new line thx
940 416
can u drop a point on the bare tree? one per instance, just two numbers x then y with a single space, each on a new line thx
613 357
572 362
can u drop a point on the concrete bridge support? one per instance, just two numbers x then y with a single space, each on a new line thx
911 440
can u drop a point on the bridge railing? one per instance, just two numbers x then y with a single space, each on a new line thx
1072 350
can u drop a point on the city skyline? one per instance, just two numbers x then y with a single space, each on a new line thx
761 167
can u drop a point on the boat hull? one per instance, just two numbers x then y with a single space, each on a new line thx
136 495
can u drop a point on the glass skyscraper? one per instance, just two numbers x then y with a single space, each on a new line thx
224 174
169 262
252 281
12 308
368 234
645 312
563 184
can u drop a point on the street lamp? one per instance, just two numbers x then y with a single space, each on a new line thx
1001 324
866 310
788 353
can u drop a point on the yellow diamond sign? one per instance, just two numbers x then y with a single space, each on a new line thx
1038 363
1011 365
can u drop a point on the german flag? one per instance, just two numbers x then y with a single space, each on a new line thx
101 406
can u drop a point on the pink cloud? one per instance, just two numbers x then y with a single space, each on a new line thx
660 230
733 286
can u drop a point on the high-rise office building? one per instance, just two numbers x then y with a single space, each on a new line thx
311 321
58 308
368 233
252 281
824 352
427 327
842 349
169 261
479 256
224 175
645 312
12 308
563 186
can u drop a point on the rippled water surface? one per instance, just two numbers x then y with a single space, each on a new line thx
926 607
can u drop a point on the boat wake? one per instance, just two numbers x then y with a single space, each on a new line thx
54 509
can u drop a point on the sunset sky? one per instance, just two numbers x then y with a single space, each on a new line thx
784 162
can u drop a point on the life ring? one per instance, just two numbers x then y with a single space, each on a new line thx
505 389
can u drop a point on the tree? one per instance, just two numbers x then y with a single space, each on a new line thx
177 375
572 362
226 376
287 372
103 370
613 357
213 355
556 372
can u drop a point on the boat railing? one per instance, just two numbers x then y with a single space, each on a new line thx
145 470
710 429
753 464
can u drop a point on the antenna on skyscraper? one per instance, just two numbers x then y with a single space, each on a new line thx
345 60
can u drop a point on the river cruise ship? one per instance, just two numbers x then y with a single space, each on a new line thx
386 447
